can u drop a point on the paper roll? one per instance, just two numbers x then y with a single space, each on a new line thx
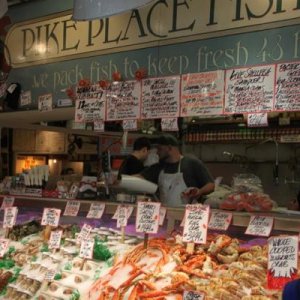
138 185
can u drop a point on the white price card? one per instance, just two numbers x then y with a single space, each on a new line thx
50 274
25 98
130 209
193 295
220 220
147 217
72 208
87 249
51 217
129 125
257 120
162 215
196 223
96 211
84 233
10 217
99 125
45 102
3 246
55 239
169 124
8 201
260 226
122 216
282 260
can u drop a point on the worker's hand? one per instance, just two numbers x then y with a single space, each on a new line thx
191 194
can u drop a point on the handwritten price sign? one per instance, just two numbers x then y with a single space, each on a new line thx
7 202
86 249
10 217
3 246
162 215
50 274
130 209
220 220
169 124
55 238
129 125
72 208
193 295
195 225
257 120
51 217
282 260
96 211
84 233
45 102
147 218
260 226
122 216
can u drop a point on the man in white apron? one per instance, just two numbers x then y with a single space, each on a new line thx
180 179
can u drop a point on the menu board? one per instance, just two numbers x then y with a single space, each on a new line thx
220 220
202 94
287 96
193 295
249 90
195 223
51 217
55 238
147 217
282 260
260 226
10 217
96 211
3 246
123 100
257 120
8 201
72 208
160 97
87 249
90 104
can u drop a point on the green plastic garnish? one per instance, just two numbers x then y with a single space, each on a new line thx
45 248
68 266
75 295
101 252
57 276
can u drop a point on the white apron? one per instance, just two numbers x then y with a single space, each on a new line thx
170 187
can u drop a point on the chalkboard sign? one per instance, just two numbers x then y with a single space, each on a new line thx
287 96
160 97
202 94
249 90
282 260
123 100
196 223
90 104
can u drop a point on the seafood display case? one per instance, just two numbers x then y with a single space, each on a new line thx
231 265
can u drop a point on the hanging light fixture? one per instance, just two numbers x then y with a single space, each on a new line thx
99 9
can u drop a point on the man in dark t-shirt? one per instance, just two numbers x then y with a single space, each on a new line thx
134 163
181 179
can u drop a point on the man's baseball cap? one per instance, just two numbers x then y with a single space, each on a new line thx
165 140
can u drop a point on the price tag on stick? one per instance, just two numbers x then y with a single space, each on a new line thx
8 201
72 208
3 246
55 238
51 217
96 211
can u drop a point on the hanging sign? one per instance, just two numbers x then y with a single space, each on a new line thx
51 217
160 97
147 217
45 102
287 97
193 295
162 215
55 238
196 223
10 217
3 246
87 249
90 103
169 124
8 201
123 100
96 211
260 226
72 208
257 120
282 260
220 220
249 90
202 94
129 125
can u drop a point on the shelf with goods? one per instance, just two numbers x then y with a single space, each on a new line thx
110 249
